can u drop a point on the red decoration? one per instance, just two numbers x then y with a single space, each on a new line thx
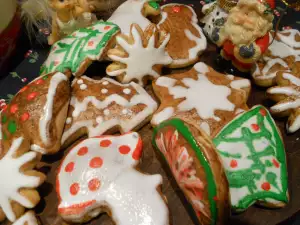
124 149
90 43
70 167
25 116
255 127
233 163
82 151
23 89
136 155
105 143
74 189
266 186
96 162
106 27
216 198
263 112
94 184
39 81
31 96
176 9
276 163
14 108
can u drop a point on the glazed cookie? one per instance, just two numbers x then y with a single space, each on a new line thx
77 51
196 167
18 179
282 55
253 156
37 113
202 97
144 47
287 94
27 219
106 106
134 11
187 41
99 175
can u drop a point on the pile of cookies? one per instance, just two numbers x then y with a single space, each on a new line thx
224 156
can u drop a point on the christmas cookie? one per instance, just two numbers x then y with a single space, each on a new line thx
283 54
144 47
77 51
27 219
37 113
202 97
106 106
253 156
196 167
18 179
287 94
99 175
134 11
187 41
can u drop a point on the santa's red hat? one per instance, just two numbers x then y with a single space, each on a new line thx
271 3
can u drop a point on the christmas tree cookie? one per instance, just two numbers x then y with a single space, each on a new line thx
253 156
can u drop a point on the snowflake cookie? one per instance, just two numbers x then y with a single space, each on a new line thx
287 94
27 219
195 164
77 51
187 40
253 155
202 97
99 175
18 180
140 56
37 113
106 106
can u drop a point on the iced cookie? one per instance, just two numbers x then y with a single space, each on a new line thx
106 106
196 167
99 175
18 179
253 156
282 55
287 94
27 219
202 97
140 56
77 51
187 41
134 11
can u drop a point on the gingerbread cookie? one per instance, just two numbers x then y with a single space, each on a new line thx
99 175
27 219
202 97
287 94
77 51
18 179
106 106
186 38
144 47
37 113
196 167
283 54
134 11
253 156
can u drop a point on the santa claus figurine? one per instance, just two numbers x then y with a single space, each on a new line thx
245 34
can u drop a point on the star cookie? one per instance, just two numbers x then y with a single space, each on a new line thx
27 219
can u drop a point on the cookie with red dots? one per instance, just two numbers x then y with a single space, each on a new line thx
99 175
253 155
37 113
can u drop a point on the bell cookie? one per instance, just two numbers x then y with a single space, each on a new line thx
134 11
100 175
187 41
195 164
106 106
77 51
202 97
37 113
27 219
287 94
140 56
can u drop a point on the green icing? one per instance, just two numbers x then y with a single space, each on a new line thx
45 77
184 131
12 126
260 168
4 118
154 5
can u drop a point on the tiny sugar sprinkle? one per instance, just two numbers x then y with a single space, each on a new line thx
106 112
127 91
104 91
105 82
80 81
83 86
69 120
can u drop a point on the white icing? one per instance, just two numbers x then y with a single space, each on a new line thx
230 77
80 81
99 119
126 91
205 126
286 90
104 91
48 108
163 115
280 107
125 111
293 79
14 179
106 112
239 84
295 125
290 40
68 120
105 83
165 82
131 196
83 86
28 218
38 148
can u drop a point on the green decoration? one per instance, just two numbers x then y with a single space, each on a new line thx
154 5
12 127
4 118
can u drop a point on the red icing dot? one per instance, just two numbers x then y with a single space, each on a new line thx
91 43
275 163
23 89
56 63
255 127
32 95
263 112
96 162
4 108
40 81
14 108
106 27
25 116
94 184
105 143
82 151
233 163
70 167
266 186
216 198
176 9
124 149
74 189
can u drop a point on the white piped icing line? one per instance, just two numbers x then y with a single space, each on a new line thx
27 219
100 172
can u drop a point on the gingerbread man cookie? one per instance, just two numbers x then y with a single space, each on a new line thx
187 40
37 113
253 155
27 219
99 175
202 97
106 106
77 51
144 47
